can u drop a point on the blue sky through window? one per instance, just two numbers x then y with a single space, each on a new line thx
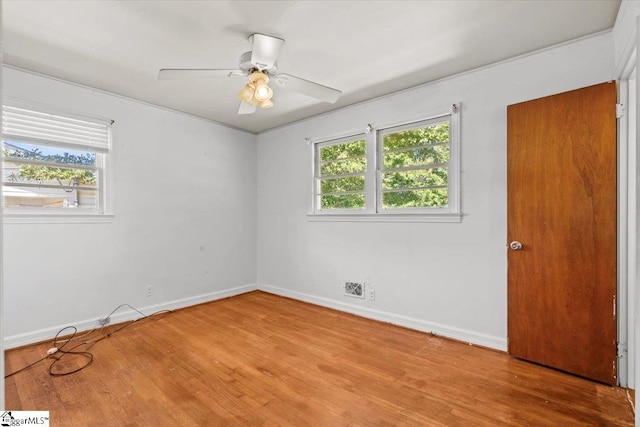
47 150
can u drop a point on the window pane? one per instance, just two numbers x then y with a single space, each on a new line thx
45 153
16 172
340 167
337 191
432 134
341 151
352 183
415 178
436 197
49 198
417 157
343 201
423 147
36 185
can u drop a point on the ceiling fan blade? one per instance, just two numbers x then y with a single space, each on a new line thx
246 108
265 50
185 73
305 87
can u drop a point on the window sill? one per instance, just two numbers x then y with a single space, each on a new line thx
32 218
432 217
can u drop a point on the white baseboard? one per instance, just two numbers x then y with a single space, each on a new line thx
465 335
123 315
471 337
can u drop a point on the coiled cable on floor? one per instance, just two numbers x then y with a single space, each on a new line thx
59 351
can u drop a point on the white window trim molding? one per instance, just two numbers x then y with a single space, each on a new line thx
396 217
451 214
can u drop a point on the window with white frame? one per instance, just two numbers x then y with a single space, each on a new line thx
53 162
340 173
406 169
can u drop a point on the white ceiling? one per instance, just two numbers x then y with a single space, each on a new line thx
364 48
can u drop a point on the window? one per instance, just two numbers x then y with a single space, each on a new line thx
340 174
53 162
395 172
414 165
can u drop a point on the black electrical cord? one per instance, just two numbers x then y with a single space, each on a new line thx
60 352
64 353
27 367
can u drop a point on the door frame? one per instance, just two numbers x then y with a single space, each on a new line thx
628 233
627 242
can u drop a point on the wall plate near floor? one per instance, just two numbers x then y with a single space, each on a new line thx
371 294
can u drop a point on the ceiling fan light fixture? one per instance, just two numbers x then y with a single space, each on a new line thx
267 103
247 93
257 76
257 91
263 92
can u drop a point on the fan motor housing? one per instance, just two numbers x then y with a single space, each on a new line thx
247 66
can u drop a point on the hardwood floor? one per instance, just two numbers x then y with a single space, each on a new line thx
262 360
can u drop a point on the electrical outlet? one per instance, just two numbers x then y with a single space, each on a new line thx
104 321
372 294
149 289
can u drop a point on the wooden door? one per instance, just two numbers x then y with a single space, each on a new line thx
561 189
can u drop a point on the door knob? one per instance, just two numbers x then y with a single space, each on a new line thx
515 245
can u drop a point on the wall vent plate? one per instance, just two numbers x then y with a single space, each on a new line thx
354 289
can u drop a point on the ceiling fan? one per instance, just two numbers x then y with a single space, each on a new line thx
259 65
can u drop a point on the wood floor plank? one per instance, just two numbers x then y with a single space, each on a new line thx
262 360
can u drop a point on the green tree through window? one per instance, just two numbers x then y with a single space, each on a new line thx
342 175
415 167
410 168
41 173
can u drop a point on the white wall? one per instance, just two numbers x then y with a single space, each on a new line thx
184 194
446 278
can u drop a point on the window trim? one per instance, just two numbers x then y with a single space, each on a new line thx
100 214
373 211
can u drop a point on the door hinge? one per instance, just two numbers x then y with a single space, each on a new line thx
622 349
620 110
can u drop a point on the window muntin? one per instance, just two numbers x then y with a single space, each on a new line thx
414 165
53 162
340 171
